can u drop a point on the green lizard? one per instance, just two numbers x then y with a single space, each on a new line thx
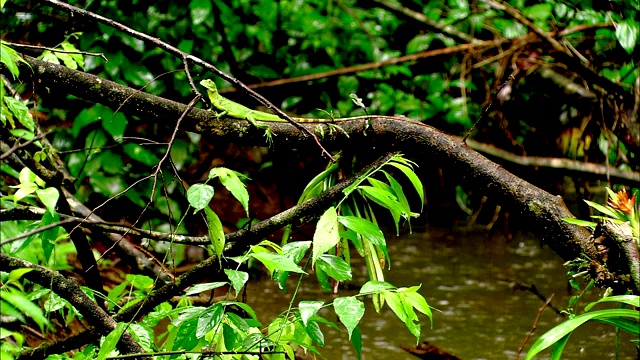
239 111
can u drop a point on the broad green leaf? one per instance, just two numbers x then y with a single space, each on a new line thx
296 251
627 34
20 302
327 234
16 274
308 309
143 335
77 58
49 236
554 335
373 286
200 11
142 282
356 341
111 341
209 320
21 112
85 118
419 303
404 311
335 267
274 261
231 181
115 124
633 300
237 278
49 198
216 232
313 330
349 310
198 288
186 335
199 196
538 11
7 56
141 154
365 228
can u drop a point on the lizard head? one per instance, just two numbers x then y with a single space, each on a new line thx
209 85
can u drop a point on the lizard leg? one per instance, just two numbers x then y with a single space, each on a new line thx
266 128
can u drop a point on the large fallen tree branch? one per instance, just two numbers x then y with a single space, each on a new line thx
373 133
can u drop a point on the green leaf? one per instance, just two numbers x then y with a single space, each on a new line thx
231 181
111 341
308 309
327 234
274 261
554 335
22 303
404 311
627 34
335 267
243 306
538 11
295 251
141 154
186 335
349 310
115 125
16 274
633 300
49 198
209 319
356 341
200 11
419 303
142 282
216 232
199 196
367 229
198 288
21 112
237 278
49 237
76 58
314 332
143 335
585 223
7 56
603 209
373 286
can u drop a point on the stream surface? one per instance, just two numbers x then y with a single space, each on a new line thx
469 278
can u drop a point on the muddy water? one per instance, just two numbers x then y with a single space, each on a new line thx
467 277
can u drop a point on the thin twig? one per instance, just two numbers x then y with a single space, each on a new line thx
535 324
35 47
19 146
411 57
186 111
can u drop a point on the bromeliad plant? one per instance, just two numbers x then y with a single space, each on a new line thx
620 209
